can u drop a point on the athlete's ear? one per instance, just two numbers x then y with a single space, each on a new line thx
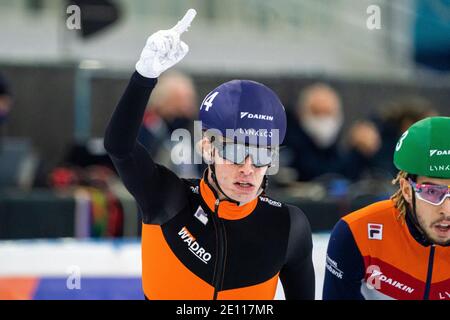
206 149
406 190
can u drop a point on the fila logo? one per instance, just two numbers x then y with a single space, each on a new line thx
193 245
201 215
256 116
375 231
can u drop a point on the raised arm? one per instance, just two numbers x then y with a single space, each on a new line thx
147 181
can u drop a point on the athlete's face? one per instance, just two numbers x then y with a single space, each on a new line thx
240 182
433 219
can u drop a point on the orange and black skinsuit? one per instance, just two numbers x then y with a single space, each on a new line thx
194 246
374 254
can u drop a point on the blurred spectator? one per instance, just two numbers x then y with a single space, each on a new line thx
89 153
18 161
172 105
393 119
314 133
5 102
84 164
88 174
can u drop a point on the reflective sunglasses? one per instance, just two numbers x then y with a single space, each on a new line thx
237 153
431 193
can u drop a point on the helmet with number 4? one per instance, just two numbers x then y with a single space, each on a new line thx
245 111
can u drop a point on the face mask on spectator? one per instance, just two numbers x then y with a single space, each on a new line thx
322 130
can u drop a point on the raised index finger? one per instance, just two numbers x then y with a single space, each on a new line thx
185 22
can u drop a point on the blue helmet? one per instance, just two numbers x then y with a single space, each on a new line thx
245 111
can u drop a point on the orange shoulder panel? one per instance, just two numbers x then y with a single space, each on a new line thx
397 246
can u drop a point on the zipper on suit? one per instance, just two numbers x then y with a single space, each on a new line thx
220 263
426 295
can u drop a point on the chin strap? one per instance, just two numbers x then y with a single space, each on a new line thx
264 184
212 168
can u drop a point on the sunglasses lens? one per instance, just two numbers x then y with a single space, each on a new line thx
433 194
233 152
237 153
261 157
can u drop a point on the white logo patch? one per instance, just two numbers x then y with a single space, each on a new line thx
332 267
440 168
436 152
375 231
256 116
201 215
270 201
193 246
256 133
194 189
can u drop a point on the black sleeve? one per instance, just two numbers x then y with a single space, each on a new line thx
159 193
297 275
344 266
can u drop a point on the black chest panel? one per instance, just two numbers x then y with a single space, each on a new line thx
254 246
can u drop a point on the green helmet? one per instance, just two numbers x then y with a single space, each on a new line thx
424 149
